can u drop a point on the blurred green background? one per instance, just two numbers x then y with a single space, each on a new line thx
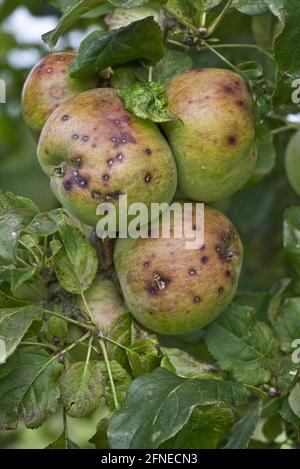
256 211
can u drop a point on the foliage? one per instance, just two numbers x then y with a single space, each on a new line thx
210 390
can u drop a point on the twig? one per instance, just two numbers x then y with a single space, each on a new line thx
72 321
105 356
221 57
211 29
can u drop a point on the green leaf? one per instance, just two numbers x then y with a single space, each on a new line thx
123 77
261 90
100 439
291 238
124 16
273 427
29 387
287 43
251 7
45 224
81 389
16 276
76 262
63 443
283 371
172 64
121 333
262 29
58 327
72 14
121 378
294 400
287 413
276 297
128 3
14 323
243 346
206 428
181 10
12 222
159 404
266 154
184 365
204 5
278 8
287 325
243 430
9 201
148 101
143 356
140 40
55 246
292 162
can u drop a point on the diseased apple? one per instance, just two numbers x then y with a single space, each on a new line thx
95 151
174 290
213 137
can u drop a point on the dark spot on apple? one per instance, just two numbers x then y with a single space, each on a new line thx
79 180
228 90
204 260
113 196
221 290
148 151
67 185
159 283
75 137
105 177
122 139
227 273
197 299
153 291
120 156
85 138
148 178
96 195
224 249
232 140
146 264
192 272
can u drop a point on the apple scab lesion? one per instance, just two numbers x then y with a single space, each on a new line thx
159 284
75 180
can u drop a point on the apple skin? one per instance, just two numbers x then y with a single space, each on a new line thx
94 151
213 139
173 290
105 303
47 86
